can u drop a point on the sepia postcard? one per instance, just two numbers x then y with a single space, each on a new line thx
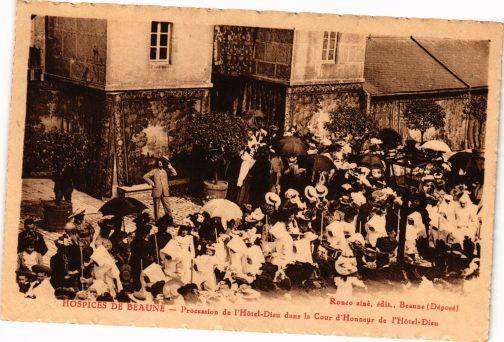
251 171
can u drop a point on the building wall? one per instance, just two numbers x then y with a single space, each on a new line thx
37 45
264 53
129 66
459 132
303 102
77 50
273 54
145 123
308 66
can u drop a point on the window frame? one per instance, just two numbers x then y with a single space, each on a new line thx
158 47
327 38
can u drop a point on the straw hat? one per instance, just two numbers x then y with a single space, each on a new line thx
273 199
310 193
291 193
322 190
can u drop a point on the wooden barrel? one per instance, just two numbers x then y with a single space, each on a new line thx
56 215
215 190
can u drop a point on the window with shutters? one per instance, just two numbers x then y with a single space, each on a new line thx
329 47
160 38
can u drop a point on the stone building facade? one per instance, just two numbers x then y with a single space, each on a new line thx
288 74
129 86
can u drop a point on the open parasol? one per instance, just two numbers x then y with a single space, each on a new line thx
255 118
292 146
436 145
466 160
370 160
223 208
319 163
122 206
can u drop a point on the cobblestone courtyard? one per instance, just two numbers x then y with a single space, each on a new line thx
36 191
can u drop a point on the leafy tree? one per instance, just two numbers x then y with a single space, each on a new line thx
477 109
424 114
349 121
220 136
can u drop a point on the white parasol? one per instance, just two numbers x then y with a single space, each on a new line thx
436 145
224 209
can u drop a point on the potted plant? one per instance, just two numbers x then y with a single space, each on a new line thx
66 155
219 137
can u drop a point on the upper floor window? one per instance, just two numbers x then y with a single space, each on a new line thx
160 41
329 47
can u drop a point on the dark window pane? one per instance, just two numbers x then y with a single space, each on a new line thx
333 34
163 53
153 40
154 26
332 43
324 45
326 34
164 27
153 53
324 54
164 40
331 55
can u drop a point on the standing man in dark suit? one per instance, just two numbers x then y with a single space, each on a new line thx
158 179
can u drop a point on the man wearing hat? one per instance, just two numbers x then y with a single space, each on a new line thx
85 229
293 175
158 179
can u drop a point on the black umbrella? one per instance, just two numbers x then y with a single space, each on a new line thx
467 161
390 137
320 162
370 160
122 206
292 146
255 119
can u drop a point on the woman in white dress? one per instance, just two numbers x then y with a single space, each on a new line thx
186 243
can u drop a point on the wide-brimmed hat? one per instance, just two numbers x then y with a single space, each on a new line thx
256 216
291 193
311 193
273 199
322 190
165 159
78 212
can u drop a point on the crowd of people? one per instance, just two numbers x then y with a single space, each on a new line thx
373 212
